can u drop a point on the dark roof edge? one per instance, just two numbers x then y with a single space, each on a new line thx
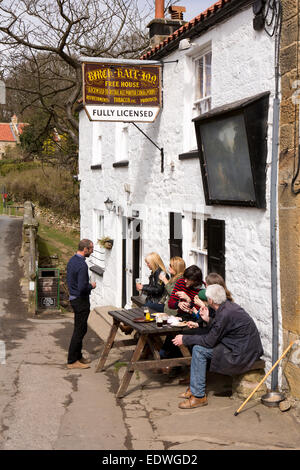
231 106
226 11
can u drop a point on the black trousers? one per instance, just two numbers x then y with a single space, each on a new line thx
81 308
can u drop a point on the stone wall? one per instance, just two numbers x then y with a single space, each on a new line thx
29 253
289 203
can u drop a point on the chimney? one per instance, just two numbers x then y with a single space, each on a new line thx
159 9
160 28
176 12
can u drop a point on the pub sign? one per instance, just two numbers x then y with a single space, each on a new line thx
121 92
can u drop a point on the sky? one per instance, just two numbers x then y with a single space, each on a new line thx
194 7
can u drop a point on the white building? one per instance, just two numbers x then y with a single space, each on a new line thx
220 60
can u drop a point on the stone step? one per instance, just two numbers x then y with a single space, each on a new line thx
101 322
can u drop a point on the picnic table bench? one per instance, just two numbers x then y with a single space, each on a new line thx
138 300
148 333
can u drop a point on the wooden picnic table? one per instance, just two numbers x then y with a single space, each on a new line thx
148 333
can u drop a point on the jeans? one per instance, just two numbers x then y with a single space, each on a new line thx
81 308
200 357
155 306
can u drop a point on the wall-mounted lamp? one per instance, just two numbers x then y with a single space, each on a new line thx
109 205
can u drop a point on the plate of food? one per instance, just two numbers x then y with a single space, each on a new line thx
143 320
179 324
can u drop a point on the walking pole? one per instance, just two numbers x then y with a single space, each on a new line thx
262 381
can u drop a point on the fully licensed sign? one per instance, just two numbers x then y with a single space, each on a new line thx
121 92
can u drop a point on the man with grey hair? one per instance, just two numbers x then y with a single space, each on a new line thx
79 296
231 345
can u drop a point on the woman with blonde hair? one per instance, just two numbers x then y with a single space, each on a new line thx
176 269
155 289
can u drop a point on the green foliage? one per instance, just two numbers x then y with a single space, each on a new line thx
49 187
8 166
35 133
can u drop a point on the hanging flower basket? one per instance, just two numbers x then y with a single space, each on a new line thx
106 242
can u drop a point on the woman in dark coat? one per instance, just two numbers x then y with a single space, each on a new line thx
155 289
232 345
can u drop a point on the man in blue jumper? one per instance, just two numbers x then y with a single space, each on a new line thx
79 290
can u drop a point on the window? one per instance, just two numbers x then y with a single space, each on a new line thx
208 244
199 242
202 101
232 144
175 230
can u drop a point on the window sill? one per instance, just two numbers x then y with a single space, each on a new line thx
96 167
97 270
198 251
193 154
121 164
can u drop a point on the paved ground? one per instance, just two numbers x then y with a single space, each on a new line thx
45 406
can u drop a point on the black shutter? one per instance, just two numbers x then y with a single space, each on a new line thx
216 246
124 256
136 233
175 234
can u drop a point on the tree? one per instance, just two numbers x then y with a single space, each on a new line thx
43 40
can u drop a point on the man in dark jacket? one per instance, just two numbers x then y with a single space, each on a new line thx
79 291
232 344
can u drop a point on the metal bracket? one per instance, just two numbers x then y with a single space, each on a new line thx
162 161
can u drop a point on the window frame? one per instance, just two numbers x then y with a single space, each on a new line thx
207 99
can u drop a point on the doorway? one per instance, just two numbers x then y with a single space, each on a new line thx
131 257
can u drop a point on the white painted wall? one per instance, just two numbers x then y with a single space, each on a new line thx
242 66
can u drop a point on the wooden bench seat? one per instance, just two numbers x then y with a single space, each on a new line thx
138 300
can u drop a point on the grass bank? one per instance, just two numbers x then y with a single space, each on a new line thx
49 187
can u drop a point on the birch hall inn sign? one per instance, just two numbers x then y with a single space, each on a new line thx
121 90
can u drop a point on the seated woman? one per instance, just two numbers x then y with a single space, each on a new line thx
182 300
185 290
155 289
176 269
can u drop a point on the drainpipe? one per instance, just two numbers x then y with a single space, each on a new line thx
273 229
273 202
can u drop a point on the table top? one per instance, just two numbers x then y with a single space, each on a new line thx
127 317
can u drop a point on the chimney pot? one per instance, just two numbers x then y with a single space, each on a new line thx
159 8
176 12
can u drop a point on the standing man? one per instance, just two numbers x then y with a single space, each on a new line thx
79 290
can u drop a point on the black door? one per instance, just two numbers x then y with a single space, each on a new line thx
136 236
216 246
175 240
124 257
